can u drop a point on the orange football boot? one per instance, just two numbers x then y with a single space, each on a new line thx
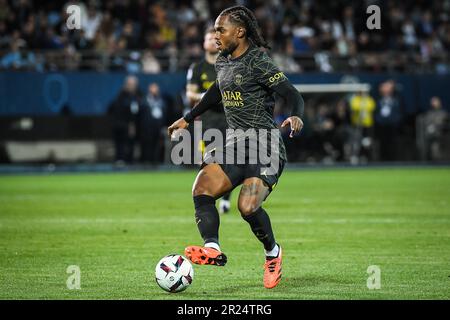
205 255
272 271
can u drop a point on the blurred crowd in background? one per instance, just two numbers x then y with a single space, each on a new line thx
361 128
354 128
142 36
153 36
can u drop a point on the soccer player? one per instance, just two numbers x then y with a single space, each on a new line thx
200 77
247 79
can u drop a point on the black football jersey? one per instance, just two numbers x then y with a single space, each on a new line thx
245 85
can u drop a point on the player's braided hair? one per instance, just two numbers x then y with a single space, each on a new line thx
245 17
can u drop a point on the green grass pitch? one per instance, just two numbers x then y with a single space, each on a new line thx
333 225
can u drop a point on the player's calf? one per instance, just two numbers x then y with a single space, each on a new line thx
261 226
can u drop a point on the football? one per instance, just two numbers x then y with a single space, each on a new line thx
174 273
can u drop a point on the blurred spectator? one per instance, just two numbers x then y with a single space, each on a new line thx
152 119
285 61
297 30
133 64
362 106
388 119
323 61
91 22
71 57
5 36
302 37
410 40
435 123
19 59
323 127
124 111
149 63
340 118
5 10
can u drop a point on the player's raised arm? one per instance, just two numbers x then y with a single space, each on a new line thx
211 98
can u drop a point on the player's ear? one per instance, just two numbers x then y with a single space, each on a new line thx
241 32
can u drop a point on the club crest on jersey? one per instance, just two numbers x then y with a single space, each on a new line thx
238 79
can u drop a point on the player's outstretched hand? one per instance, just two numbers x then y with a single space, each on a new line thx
296 125
179 124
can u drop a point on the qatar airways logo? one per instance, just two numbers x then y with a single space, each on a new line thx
237 147
232 99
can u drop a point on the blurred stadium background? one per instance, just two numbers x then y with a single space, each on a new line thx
371 95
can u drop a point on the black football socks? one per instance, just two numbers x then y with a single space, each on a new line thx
259 222
207 218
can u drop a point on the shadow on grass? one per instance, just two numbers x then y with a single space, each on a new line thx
305 282
289 288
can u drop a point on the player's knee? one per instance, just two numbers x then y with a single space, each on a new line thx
198 190
203 190
201 185
247 207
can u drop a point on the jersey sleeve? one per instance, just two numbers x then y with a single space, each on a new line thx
211 98
266 72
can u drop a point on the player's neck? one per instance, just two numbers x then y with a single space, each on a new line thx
240 50
211 57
